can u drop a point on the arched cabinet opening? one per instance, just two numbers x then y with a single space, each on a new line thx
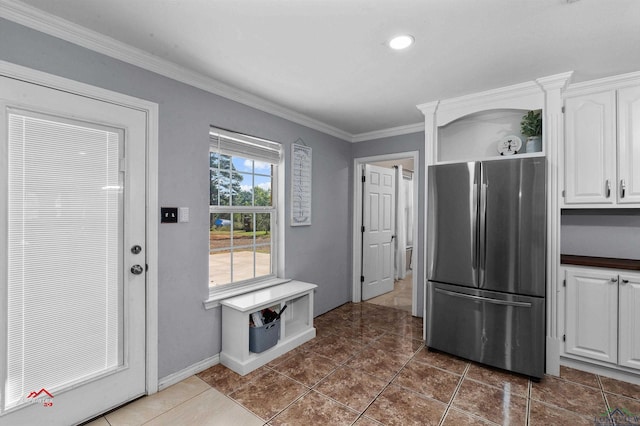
489 134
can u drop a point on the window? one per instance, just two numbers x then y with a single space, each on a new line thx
242 208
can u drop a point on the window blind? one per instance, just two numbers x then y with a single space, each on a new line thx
239 145
64 281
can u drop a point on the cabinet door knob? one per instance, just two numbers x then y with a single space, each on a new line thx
614 279
623 188
608 188
625 281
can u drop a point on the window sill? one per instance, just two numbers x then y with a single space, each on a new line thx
214 299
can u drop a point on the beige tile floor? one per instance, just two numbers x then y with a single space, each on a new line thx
399 298
368 366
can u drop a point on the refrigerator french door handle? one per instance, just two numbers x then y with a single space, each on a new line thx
482 247
484 299
474 230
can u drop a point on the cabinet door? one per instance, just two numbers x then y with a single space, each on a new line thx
590 148
592 314
628 184
629 332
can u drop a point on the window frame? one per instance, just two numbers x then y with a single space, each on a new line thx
219 292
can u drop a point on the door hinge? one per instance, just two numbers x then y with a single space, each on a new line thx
361 278
364 179
564 283
362 229
563 109
564 337
146 267
563 193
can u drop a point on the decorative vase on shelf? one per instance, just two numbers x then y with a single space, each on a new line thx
534 144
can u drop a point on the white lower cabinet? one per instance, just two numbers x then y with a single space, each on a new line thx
629 331
602 317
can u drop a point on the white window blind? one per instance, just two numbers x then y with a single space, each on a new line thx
64 256
239 145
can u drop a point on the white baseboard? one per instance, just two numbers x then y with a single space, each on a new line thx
179 376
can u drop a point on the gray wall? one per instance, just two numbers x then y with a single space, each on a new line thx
601 233
392 145
320 254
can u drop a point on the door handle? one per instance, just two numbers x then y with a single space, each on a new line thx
623 188
625 281
137 269
608 188
482 255
474 229
614 280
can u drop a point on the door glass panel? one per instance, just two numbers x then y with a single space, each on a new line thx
65 230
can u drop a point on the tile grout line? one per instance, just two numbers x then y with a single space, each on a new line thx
455 392
527 419
183 402
606 400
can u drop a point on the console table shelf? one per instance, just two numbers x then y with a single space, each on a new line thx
296 325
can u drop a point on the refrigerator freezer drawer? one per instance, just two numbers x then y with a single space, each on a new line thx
497 329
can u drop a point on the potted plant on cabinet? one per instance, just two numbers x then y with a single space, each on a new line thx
531 127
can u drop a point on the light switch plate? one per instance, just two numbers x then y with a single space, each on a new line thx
183 214
168 215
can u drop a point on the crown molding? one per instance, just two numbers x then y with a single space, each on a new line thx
555 82
528 95
386 133
603 84
52 25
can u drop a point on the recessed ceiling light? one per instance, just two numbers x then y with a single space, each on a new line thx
401 42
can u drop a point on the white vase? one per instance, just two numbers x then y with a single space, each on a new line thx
534 144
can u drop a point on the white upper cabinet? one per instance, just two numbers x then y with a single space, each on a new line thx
590 148
628 184
602 148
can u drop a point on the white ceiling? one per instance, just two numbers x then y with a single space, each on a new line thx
327 59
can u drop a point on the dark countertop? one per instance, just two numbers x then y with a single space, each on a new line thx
600 262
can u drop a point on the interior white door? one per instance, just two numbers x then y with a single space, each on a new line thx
72 211
378 219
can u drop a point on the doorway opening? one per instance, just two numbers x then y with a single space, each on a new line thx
368 259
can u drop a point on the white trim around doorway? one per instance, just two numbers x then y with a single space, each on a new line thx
357 220
29 75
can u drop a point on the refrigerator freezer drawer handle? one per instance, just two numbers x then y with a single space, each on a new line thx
484 299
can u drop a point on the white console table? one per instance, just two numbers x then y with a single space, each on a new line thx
296 325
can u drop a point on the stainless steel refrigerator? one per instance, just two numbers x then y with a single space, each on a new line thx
486 266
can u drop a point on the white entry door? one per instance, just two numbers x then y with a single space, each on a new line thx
72 258
378 219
